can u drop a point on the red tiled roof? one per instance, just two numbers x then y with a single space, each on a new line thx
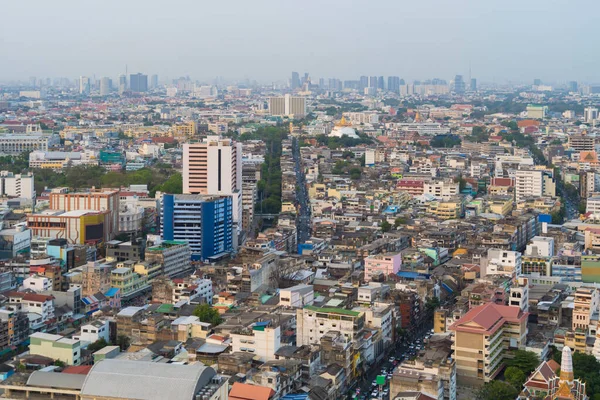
77 369
488 318
40 298
528 122
502 182
244 391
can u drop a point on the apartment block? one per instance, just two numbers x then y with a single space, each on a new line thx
288 106
262 339
314 322
174 256
386 264
586 302
483 337
55 347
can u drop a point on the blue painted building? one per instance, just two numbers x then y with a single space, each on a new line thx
204 221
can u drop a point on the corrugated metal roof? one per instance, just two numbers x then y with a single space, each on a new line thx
56 380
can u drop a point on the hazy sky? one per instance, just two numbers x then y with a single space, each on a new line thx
519 40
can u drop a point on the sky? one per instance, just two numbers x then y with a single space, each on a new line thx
500 40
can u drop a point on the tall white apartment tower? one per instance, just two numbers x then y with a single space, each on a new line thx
288 105
214 167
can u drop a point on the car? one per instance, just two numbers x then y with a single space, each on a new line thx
390 375
386 391
392 359
374 383
375 393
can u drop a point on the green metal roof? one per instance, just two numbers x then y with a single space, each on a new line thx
165 308
332 310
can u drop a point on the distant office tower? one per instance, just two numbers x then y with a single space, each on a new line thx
590 114
122 84
214 167
32 81
321 83
402 82
537 82
84 85
459 84
207 223
364 82
373 82
380 83
154 81
306 79
295 83
573 87
138 82
105 86
288 105
473 85
393 84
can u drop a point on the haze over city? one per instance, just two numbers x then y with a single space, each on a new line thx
500 40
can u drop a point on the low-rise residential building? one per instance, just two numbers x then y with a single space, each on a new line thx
56 347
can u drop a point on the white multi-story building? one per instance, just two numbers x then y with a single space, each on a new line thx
540 246
20 143
297 296
42 305
502 160
131 217
593 205
214 167
441 189
314 322
19 185
502 262
357 118
57 160
37 283
519 294
262 339
590 114
94 331
533 183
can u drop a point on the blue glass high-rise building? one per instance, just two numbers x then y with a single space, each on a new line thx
204 221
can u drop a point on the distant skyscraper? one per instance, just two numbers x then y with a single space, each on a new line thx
537 82
154 81
393 84
321 83
138 82
84 85
459 84
380 83
295 83
473 85
590 114
573 87
105 86
33 81
373 82
364 82
402 82
122 84
306 78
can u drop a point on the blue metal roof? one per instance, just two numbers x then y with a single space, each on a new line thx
412 275
111 292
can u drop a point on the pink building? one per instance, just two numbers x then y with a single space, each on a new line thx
386 263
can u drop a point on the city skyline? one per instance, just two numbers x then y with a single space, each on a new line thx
267 40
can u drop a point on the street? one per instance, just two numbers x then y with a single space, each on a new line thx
303 218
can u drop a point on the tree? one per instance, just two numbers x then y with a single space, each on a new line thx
59 363
399 221
207 314
123 342
355 173
497 390
515 377
526 361
173 185
97 345
432 303
385 226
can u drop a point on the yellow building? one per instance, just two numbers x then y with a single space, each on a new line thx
149 270
502 206
183 132
128 281
445 209
317 191
55 347
288 207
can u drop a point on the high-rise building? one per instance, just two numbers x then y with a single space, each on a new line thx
138 82
203 221
295 83
321 83
459 84
483 338
537 82
380 83
122 84
534 183
214 167
154 81
84 85
373 82
473 85
393 84
573 86
288 105
590 114
364 82
105 86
